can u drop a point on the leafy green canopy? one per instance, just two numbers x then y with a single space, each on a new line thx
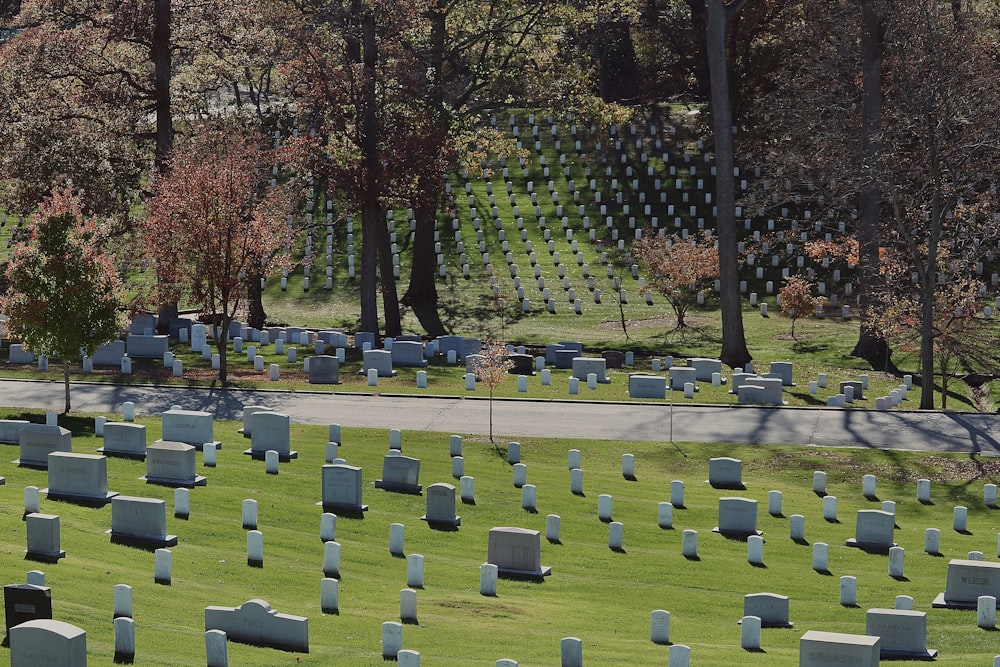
64 296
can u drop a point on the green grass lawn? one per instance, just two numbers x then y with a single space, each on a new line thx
602 596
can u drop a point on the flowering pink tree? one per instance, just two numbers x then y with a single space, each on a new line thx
213 224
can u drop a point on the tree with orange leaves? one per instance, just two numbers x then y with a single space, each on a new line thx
797 300
213 224
679 268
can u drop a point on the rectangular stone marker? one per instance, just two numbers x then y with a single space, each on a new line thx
380 361
255 623
172 464
770 608
25 602
408 354
725 473
704 368
737 516
47 642
400 474
146 347
124 439
323 369
43 538
140 521
583 366
517 552
874 531
39 440
109 355
967 580
192 427
441 506
271 431
342 489
903 633
10 430
643 385
81 478
835 649
783 369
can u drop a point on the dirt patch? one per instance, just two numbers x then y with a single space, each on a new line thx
797 338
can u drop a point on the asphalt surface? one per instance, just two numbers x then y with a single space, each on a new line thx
972 433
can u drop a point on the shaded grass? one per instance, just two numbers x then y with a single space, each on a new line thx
594 593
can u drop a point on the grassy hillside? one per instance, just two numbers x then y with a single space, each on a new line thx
602 596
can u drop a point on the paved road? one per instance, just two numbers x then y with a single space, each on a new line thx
927 431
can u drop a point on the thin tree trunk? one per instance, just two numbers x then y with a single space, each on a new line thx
422 290
734 346
66 384
162 72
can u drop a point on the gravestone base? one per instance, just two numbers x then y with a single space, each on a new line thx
343 509
45 556
119 454
143 542
940 602
443 523
199 480
926 654
399 487
81 499
532 575
741 535
871 547
283 457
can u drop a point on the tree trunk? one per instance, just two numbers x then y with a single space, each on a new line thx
422 290
390 300
870 346
617 63
370 209
221 343
256 317
734 346
66 384
160 55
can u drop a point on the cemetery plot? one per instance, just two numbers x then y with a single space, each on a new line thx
697 592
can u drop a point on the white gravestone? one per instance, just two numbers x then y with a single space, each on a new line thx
903 633
725 473
342 489
271 431
874 531
37 441
124 439
770 608
172 464
141 521
400 474
43 543
835 649
516 552
79 478
441 506
737 516
47 642
192 427
967 581
255 623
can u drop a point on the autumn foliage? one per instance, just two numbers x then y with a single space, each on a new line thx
797 299
213 224
679 268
